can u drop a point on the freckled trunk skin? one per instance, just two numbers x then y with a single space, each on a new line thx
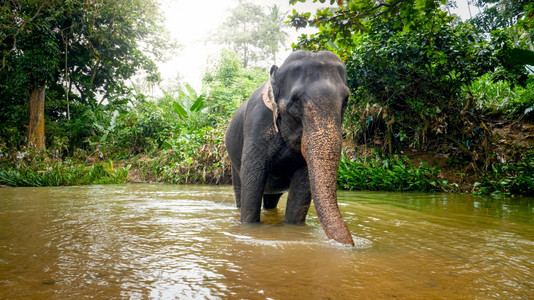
321 146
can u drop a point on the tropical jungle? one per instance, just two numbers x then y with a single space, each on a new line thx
438 103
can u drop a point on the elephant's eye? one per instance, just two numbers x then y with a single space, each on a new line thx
294 110
292 106
294 99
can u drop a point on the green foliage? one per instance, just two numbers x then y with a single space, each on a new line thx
499 97
416 77
128 132
380 173
408 61
63 175
273 33
491 96
194 103
524 103
196 157
178 138
146 126
150 124
190 148
504 14
45 168
227 84
509 178
509 61
192 156
82 53
339 28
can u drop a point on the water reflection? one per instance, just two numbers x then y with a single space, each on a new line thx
167 241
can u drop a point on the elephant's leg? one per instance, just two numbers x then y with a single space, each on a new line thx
253 180
299 197
236 182
270 201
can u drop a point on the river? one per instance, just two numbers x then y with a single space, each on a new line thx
141 241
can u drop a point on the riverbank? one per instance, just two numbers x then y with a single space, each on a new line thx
439 167
501 164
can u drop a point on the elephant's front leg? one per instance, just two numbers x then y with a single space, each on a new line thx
253 180
299 197
236 182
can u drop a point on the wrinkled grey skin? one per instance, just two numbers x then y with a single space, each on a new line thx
287 137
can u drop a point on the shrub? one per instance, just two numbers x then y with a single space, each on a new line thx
197 156
509 179
64 173
500 97
396 173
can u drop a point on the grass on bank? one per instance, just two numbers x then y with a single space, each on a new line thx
395 173
200 158
64 174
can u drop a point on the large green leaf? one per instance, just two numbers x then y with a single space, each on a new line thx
179 109
199 104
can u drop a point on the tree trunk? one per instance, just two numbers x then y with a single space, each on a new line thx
36 135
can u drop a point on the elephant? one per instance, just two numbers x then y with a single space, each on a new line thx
287 137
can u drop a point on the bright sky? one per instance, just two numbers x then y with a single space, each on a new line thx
194 23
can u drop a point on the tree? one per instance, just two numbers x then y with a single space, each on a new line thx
252 33
57 45
340 27
29 49
405 57
509 24
240 30
498 14
274 35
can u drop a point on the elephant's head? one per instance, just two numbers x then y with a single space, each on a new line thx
308 95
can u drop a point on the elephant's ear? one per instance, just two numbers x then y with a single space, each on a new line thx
274 68
268 95
268 98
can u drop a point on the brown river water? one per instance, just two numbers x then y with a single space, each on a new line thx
185 242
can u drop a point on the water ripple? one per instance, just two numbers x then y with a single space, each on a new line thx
185 242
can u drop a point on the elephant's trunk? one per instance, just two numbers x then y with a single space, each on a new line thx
321 147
